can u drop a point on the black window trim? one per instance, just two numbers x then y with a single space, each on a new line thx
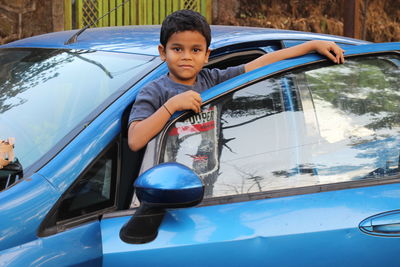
280 192
220 58
244 47
298 191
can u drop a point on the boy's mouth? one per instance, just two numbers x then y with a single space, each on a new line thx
186 66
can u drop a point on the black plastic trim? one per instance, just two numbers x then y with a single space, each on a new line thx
143 226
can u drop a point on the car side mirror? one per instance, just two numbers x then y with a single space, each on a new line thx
168 185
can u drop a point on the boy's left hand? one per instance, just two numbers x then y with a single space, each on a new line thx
329 49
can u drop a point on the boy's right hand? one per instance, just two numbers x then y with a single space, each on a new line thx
183 101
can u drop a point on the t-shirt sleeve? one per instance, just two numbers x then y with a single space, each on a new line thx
218 76
146 103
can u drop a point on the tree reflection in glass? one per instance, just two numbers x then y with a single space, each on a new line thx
321 125
47 93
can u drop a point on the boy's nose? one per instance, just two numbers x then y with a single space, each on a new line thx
186 55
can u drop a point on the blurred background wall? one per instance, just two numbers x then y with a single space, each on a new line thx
374 20
24 18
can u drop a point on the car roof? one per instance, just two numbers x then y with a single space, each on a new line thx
145 39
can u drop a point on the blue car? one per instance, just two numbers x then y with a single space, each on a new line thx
292 164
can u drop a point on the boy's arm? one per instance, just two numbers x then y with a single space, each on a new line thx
323 47
141 132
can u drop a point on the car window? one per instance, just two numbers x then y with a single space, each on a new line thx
352 132
48 93
319 125
93 192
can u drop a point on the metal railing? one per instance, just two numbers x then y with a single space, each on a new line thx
79 13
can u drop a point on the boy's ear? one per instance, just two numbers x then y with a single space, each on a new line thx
207 55
161 51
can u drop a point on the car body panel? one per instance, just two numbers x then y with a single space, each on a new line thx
31 199
145 39
80 246
314 229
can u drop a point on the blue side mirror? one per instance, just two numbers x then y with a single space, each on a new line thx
168 185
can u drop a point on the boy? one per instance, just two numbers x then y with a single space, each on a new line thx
184 45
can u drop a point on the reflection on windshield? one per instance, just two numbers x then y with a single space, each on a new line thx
45 93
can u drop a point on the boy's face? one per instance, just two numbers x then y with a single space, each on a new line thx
185 53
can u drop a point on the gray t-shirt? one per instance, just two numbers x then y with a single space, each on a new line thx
156 93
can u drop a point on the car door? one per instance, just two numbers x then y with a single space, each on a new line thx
300 162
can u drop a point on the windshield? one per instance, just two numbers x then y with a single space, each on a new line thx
46 93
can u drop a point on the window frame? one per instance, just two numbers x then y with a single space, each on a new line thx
161 142
51 226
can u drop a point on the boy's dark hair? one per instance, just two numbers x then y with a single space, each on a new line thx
184 20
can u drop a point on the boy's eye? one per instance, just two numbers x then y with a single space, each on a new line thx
196 50
177 49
